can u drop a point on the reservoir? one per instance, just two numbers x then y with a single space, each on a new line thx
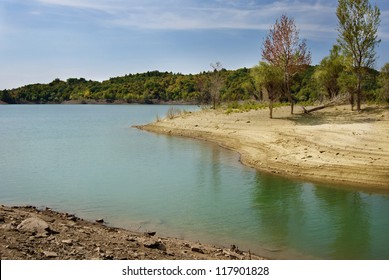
88 160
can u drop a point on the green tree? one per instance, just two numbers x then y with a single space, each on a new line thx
270 78
329 71
383 80
358 28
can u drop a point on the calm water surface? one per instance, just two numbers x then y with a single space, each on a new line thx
86 159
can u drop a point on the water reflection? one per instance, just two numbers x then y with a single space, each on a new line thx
347 218
280 210
314 220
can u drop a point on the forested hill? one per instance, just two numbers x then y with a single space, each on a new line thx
150 87
315 83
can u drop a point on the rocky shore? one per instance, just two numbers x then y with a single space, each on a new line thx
28 233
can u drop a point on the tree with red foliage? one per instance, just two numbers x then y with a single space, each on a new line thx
283 49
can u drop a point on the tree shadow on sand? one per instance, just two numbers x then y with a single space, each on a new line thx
341 116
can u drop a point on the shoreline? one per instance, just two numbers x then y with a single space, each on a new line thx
334 145
29 233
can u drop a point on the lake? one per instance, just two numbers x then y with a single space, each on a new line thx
88 160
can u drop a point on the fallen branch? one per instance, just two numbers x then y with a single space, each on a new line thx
307 111
339 100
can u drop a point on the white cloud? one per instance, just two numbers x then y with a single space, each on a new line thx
180 15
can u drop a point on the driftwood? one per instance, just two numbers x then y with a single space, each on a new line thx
307 111
338 100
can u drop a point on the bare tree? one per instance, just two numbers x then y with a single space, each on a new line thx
283 49
216 83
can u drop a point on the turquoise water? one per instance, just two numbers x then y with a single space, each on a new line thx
87 160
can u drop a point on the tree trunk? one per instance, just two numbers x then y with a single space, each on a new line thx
287 91
352 101
315 109
334 102
359 93
271 108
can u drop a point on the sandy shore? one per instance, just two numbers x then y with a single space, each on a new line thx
333 145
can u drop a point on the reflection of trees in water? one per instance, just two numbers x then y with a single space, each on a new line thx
280 209
321 221
209 166
216 177
348 222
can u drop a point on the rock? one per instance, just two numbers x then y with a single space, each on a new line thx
2 220
67 241
197 249
233 256
150 233
36 225
48 219
72 218
8 226
154 244
50 254
235 249
100 221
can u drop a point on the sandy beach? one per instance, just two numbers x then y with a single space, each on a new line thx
333 145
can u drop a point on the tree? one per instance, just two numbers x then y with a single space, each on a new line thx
358 27
270 78
329 72
283 49
216 83
383 80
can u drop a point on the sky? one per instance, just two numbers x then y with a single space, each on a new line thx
41 40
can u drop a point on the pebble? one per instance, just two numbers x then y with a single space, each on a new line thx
50 254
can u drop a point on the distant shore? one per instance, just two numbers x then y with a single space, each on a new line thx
333 145
105 102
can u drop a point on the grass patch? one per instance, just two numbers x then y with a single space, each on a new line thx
173 112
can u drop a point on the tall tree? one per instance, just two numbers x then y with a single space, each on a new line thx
358 28
284 49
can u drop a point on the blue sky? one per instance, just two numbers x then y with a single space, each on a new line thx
41 40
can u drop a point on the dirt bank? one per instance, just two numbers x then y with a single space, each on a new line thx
334 144
29 233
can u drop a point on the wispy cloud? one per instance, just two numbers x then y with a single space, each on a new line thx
181 15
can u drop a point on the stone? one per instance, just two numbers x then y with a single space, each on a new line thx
154 244
36 225
72 218
2 220
67 241
8 226
50 254
48 219
100 221
197 249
